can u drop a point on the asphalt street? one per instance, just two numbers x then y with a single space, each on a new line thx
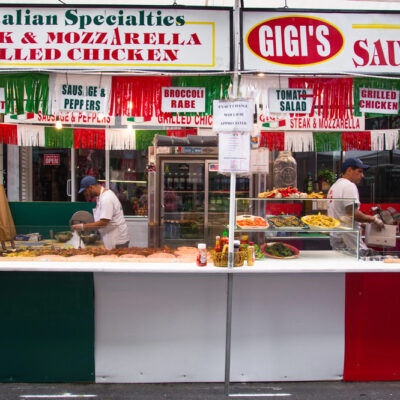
204 391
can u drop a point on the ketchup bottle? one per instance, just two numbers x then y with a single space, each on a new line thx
202 255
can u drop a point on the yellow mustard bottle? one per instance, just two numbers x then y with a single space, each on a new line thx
251 256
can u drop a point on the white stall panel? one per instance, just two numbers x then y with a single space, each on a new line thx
171 327
288 327
159 327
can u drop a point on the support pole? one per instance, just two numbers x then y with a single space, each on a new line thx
232 204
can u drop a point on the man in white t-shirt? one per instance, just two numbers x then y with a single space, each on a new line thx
345 188
108 215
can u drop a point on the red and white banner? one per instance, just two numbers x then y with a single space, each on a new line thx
379 101
204 121
170 38
303 42
73 117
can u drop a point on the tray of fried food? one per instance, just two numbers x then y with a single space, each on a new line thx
316 195
286 222
251 222
320 221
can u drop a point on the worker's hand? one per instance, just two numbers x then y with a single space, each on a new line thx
77 227
378 222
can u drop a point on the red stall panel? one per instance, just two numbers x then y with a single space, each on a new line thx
372 327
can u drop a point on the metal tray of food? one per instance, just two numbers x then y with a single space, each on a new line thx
251 222
286 222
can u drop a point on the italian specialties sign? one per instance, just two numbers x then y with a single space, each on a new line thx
115 38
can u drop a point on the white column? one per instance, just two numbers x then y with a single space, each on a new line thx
13 173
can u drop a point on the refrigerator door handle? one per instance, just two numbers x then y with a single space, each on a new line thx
69 188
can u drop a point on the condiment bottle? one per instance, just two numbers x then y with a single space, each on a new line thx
217 247
251 256
244 239
225 238
202 255
236 246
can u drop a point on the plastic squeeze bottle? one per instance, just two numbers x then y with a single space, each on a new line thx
202 255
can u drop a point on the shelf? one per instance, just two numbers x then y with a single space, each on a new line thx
183 191
183 212
303 231
228 192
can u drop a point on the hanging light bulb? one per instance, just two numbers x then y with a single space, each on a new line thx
58 124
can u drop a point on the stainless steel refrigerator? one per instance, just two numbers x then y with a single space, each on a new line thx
188 197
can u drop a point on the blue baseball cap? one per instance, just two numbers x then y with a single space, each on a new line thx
355 163
86 181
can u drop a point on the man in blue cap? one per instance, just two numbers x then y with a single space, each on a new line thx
345 188
108 215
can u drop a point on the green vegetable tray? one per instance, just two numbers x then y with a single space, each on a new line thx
279 248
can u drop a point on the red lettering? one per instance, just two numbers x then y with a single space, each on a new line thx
131 38
149 38
87 38
361 50
18 55
391 52
72 37
55 36
101 38
5 37
135 54
52 54
91 54
73 54
35 54
378 53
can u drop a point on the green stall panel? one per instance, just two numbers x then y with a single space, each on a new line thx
41 216
47 327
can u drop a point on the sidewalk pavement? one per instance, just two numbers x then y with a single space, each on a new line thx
203 391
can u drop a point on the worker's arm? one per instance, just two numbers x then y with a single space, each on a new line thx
91 226
359 216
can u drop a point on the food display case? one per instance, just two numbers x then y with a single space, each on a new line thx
268 220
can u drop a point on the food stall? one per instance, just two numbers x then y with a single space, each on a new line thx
153 315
